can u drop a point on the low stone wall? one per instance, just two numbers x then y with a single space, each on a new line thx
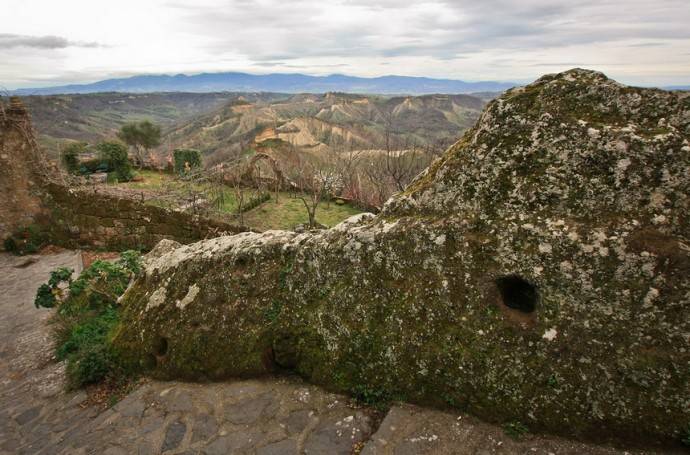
85 219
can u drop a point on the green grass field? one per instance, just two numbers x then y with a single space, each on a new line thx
279 212
287 213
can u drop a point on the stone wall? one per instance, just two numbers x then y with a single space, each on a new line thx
537 272
82 218
34 192
20 180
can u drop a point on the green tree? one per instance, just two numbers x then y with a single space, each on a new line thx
115 154
141 137
186 160
70 156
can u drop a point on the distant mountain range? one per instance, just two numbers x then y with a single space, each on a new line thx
279 83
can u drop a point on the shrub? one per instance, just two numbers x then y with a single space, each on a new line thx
48 295
25 240
93 365
87 316
114 154
182 157
10 245
70 156
516 429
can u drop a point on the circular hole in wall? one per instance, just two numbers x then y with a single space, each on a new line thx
517 293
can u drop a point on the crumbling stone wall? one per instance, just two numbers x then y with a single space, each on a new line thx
20 180
82 218
33 192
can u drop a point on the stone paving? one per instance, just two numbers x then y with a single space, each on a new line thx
260 417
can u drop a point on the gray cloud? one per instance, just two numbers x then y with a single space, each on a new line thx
272 30
504 39
8 41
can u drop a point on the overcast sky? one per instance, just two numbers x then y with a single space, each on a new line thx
51 42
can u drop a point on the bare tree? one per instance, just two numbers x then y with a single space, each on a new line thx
378 189
312 182
346 164
240 175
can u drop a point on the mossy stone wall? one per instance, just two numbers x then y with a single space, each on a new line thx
82 218
537 272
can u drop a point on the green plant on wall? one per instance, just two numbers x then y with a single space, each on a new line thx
87 314
186 160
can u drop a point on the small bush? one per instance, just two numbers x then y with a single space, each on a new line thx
49 295
45 297
340 202
94 365
70 156
114 155
516 429
26 240
87 316
379 398
184 157
10 245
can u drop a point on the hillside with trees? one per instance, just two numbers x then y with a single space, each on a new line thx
362 148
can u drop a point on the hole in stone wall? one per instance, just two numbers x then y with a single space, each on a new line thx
161 347
517 293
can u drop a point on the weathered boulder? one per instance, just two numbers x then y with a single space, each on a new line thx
538 271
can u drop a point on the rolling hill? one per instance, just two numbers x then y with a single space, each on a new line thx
94 117
223 125
334 120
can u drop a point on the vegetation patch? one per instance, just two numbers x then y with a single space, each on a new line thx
186 160
87 315
378 398
25 240
516 429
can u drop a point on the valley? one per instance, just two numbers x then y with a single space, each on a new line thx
366 146
218 123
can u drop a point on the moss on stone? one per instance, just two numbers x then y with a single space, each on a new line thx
553 186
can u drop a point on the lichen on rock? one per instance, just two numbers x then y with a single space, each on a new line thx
538 271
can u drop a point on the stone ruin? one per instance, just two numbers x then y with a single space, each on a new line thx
538 271
22 169
36 193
